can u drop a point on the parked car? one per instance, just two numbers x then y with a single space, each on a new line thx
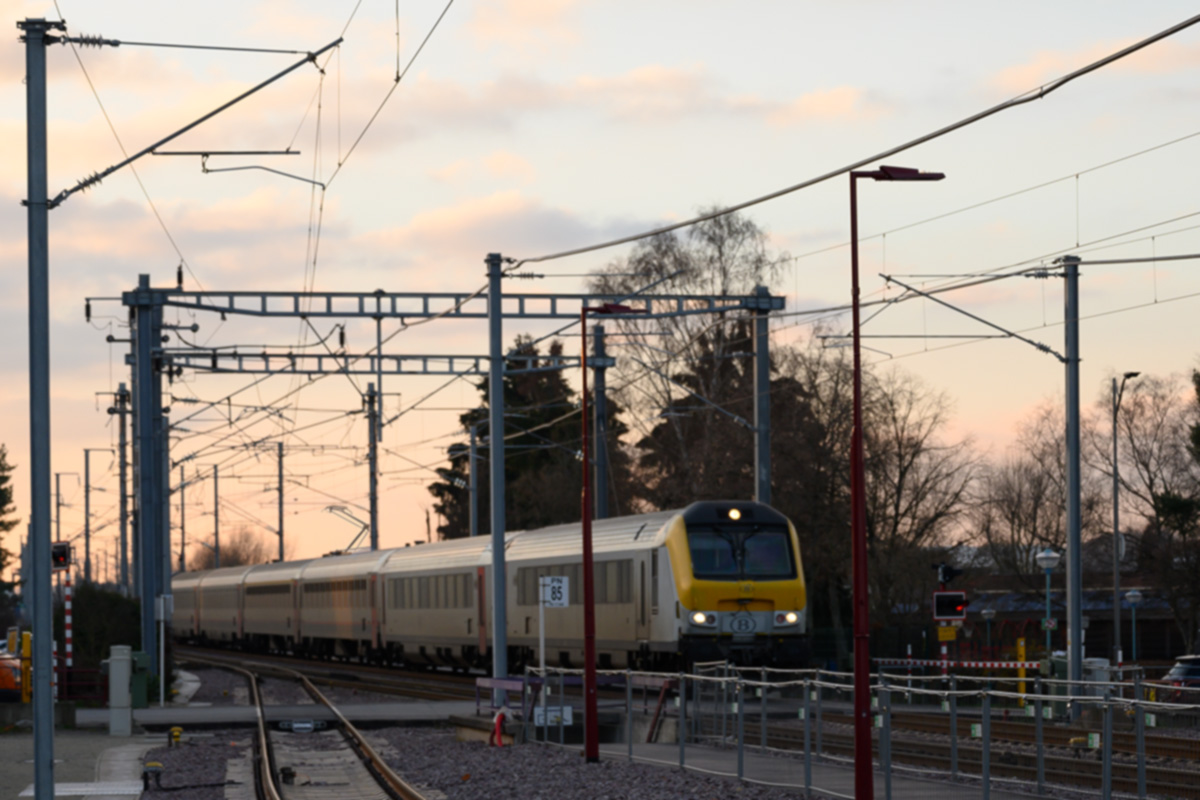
1185 678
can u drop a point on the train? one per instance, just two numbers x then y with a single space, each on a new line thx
714 581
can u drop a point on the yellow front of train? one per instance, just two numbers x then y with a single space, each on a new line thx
740 585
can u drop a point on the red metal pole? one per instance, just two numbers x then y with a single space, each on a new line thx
864 778
591 734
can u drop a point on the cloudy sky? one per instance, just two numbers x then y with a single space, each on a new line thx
529 127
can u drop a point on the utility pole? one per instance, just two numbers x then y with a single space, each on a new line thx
87 509
182 522
216 520
496 435
762 400
36 37
1074 559
373 462
473 486
279 455
600 361
121 409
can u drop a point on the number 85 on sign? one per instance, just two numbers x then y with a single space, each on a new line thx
555 592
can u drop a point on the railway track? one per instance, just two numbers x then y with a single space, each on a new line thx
417 685
277 782
1157 745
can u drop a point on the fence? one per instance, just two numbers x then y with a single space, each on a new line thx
950 737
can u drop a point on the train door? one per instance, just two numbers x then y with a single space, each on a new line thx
642 611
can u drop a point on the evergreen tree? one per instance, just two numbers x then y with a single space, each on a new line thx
542 473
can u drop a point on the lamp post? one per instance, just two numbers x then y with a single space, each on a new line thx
1047 560
864 784
988 615
591 733
1134 597
1116 406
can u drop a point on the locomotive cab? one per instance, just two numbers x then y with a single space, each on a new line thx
741 585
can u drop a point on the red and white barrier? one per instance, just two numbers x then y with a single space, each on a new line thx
916 662
67 619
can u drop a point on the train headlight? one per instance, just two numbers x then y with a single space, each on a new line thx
698 618
787 618
702 618
735 514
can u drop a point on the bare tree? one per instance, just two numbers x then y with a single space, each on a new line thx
1021 505
917 485
239 547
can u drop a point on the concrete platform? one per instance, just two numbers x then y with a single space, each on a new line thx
400 713
86 764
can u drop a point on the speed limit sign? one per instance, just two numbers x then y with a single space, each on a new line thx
555 592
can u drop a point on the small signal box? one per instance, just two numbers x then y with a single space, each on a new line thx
950 605
60 556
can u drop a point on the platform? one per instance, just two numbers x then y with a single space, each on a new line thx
367 713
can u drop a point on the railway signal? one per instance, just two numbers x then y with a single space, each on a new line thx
60 556
950 605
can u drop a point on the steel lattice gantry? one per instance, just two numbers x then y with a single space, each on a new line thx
150 361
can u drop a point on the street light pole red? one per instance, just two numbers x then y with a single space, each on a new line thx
864 778
591 730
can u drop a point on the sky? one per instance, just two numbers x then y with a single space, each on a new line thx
528 128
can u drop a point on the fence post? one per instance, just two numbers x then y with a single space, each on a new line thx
820 693
987 745
682 716
562 702
763 712
807 732
953 726
724 697
1106 755
885 737
1139 713
629 711
1041 749
739 694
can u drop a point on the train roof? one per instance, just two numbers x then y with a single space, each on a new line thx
616 534
340 566
465 553
225 576
276 571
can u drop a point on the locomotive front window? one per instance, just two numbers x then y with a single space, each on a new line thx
721 553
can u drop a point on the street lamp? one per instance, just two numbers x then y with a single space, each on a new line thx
1116 406
591 733
1047 560
1134 597
864 784
988 615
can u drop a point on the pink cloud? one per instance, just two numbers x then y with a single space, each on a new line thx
525 24
841 102
1046 65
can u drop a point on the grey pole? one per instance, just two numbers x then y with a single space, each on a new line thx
87 516
122 410
1074 559
279 455
599 364
473 485
762 401
1116 542
39 397
496 435
216 519
147 414
373 462
182 522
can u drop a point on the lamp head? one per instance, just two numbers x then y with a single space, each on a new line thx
1047 559
886 173
1134 597
1129 375
988 613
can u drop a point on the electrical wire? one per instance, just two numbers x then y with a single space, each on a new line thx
1026 97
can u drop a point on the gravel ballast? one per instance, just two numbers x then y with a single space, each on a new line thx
432 757
196 769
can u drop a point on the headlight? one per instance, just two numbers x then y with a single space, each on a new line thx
792 617
787 618
702 618
698 618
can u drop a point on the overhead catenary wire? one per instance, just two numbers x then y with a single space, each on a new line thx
1026 97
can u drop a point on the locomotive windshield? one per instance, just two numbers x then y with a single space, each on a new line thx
741 553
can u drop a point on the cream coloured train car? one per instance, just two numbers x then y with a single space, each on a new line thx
219 604
271 617
338 604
